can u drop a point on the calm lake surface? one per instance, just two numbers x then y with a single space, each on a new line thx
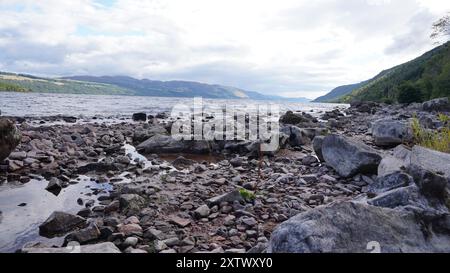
39 104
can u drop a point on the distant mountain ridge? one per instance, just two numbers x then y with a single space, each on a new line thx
430 73
188 89
124 85
146 87
338 92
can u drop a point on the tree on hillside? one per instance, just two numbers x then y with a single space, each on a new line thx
409 93
441 28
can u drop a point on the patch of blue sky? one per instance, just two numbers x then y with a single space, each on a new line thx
18 7
105 3
88 31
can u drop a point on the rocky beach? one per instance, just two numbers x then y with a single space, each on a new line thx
342 181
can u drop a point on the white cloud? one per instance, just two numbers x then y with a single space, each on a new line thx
299 48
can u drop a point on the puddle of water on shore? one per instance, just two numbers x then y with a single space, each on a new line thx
20 225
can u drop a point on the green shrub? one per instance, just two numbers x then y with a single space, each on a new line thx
409 93
247 195
388 101
438 140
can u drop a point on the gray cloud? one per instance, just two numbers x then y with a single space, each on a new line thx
27 51
416 37
303 48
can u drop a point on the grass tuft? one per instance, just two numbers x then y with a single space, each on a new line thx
247 195
438 140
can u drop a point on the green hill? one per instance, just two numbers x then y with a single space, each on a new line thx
22 83
429 73
4 86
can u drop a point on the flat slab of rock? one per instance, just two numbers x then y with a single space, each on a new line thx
389 182
182 222
398 197
130 229
107 247
166 144
349 157
352 228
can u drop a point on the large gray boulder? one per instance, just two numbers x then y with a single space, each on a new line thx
59 223
10 137
398 161
297 136
160 144
431 171
353 228
349 157
388 133
317 146
437 105
299 119
107 247
431 160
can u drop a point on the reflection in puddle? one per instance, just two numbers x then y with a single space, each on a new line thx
20 224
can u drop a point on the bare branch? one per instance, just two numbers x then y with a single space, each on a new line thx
441 28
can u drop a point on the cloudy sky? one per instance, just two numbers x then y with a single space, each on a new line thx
284 47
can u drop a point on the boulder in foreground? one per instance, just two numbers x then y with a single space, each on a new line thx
353 228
